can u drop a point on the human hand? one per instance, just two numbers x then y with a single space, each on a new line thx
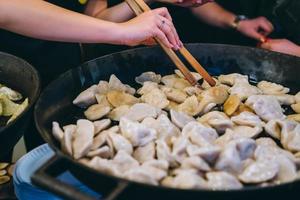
282 46
155 23
257 28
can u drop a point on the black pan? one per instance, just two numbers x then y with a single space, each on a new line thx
56 104
21 76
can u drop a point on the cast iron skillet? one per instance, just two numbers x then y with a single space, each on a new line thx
56 104
21 76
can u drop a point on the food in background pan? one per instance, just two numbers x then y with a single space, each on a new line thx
173 134
11 104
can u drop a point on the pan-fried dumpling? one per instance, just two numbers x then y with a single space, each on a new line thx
138 134
83 138
245 147
118 112
159 164
244 90
163 152
222 181
179 145
199 134
247 119
247 131
217 120
272 88
231 79
287 169
186 179
140 111
102 100
67 139
229 160
147 87
296 107
103 88
195 162
216 94
297 97
209 153
196 75
156 98
103 152
104 165
10 93
173 81
115 84
266 107
124 161
285 99
86 97
190 106
101 125
118 98
173 94
57 131
140 174
259 171
96 111
193 90
148 76
180 119
145 153
119 142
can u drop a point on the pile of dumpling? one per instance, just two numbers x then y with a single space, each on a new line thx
173 134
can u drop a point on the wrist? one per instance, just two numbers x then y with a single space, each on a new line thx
237 20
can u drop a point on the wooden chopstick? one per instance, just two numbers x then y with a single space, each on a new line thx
172 55
134 4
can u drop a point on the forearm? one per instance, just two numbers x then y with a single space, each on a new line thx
117 13
207 13
39 19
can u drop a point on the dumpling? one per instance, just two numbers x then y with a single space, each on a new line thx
147 87
247 119
195 162
148 76
180 119
141 175
96 111
102 100
57 131
118 98
86 97
196 75
83 138
138 134
272 88
190 106
231 79
209 153
266 107
156 98
297 97
179 146
285 99
222 181
101 125
163 152
173 94
296 107
145 153
199 134
124 161
103 152
118 112
115 84
173 81
119 142
217 120
140 111
244 90
259 171
247 131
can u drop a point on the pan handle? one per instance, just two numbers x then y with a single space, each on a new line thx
44 177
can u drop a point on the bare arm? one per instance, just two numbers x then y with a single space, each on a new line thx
213 14
117 13
39 19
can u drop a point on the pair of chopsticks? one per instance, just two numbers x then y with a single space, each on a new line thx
138 7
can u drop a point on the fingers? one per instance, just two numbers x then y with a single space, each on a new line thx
171 32
266 25
163 38
163 12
